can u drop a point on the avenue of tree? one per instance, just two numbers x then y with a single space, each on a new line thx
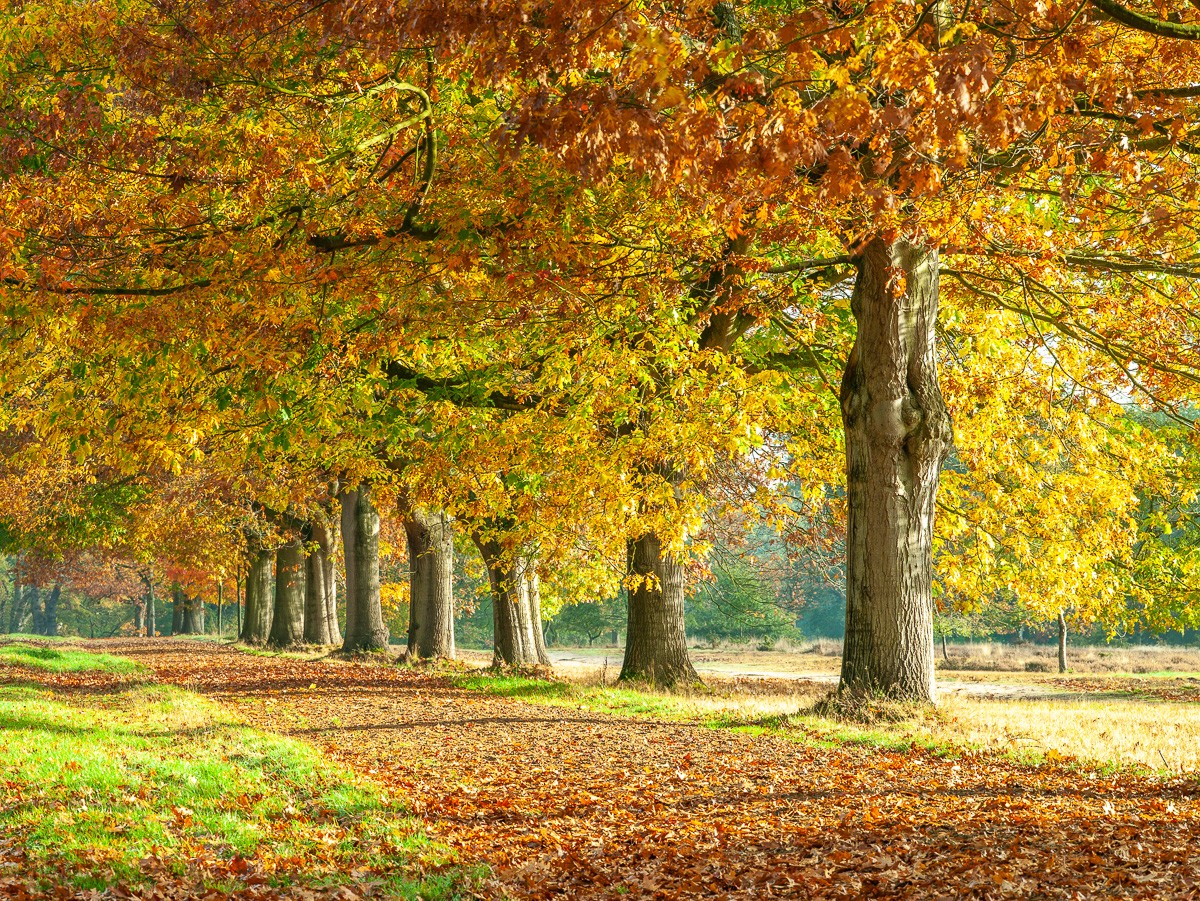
599 288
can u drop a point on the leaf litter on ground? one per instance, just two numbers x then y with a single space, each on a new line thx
561 802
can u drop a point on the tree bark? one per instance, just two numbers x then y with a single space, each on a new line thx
656 639
193 614
256 624
430 536
177 603
320 589
50 612
897 436
7 609
535 613
33 598
1062 642
514 642
365 629
17 613
151 626
139 615
287 622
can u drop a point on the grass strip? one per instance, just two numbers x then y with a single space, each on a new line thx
152 782
66 660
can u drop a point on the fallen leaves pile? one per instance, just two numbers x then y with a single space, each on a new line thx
566 803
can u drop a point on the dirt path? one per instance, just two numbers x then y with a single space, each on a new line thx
571 804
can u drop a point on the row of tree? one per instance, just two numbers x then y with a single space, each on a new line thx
578 281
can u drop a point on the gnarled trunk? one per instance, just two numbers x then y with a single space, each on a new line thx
365 629
656 640
431 597
897 436
514 641
320 589
260 605
287 622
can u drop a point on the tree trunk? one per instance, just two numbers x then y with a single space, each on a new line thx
897 436
150 612
431 597
655 639
256 624
193 614
320 589
139 616
7 606
513 639
331 592
365 629
945 653
535 613
33 597
17 613
220 604
1062 642
177 604
50 612
287 623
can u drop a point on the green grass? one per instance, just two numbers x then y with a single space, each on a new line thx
128 786
66 660
29 636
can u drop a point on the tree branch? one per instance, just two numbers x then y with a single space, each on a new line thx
1157 27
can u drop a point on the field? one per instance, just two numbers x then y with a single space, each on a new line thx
186 768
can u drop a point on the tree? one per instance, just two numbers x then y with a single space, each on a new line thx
320 585
651 266
365 630
908 113
430 540
256 624
739 605
287 621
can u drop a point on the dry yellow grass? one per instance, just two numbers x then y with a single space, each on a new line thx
1158 735
995 657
